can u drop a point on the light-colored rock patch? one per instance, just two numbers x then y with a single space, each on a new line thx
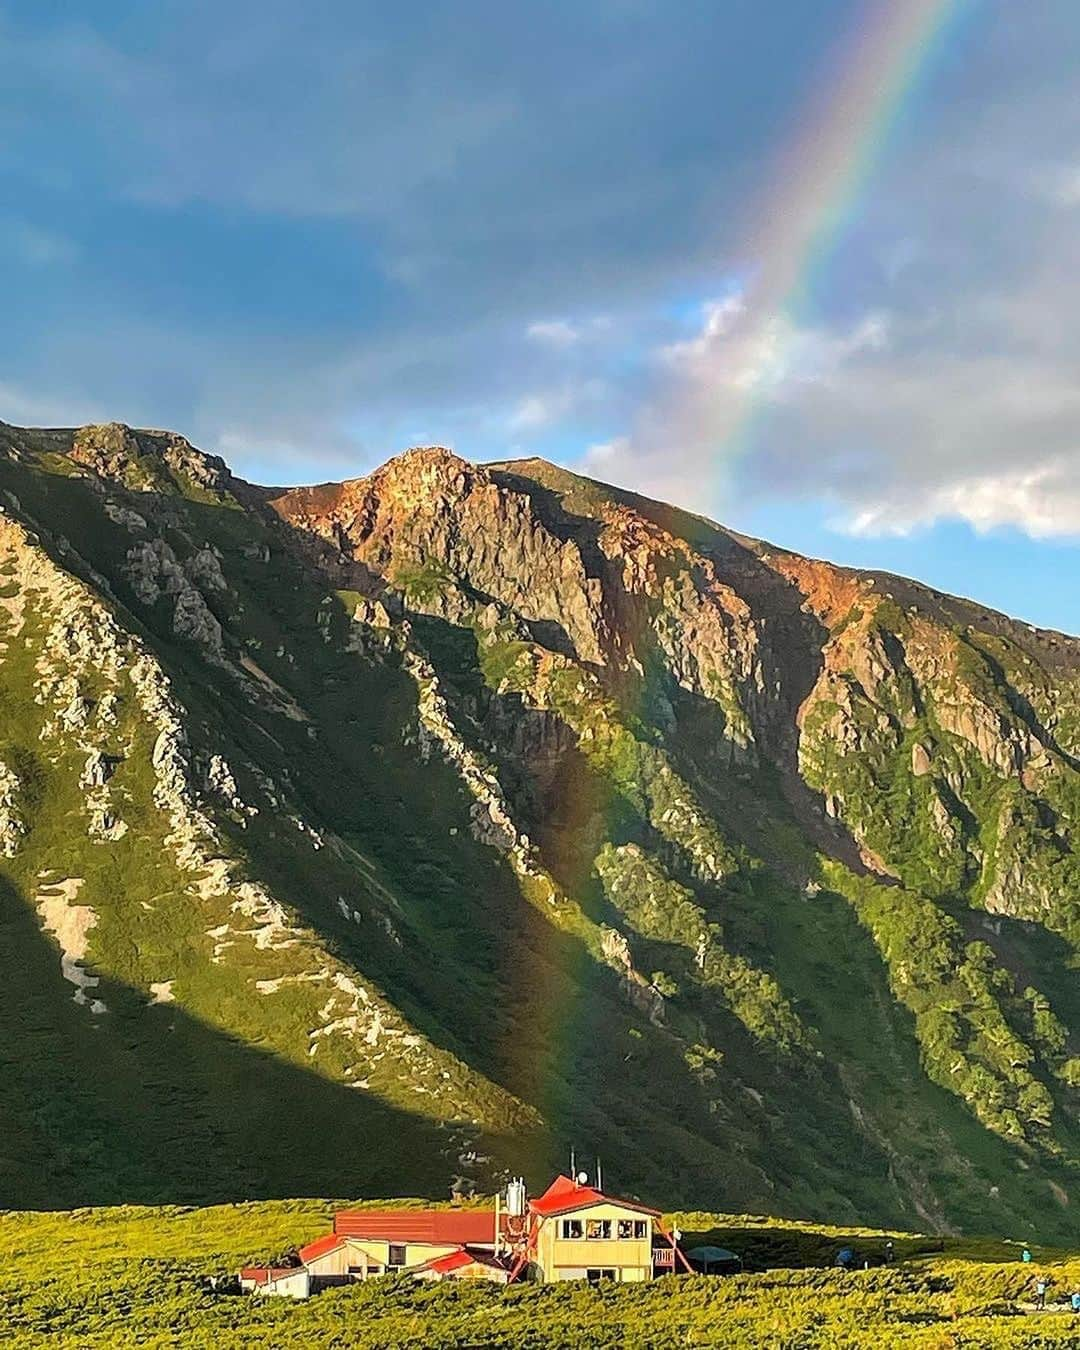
122 515
12 825
70 924
287 704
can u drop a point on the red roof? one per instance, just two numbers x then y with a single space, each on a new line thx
331 1242
268 1274
445 1265
452 1261
565 1195
439 1227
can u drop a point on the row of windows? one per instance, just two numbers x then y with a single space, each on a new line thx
600 1229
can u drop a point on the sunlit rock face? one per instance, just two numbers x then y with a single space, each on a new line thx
464 811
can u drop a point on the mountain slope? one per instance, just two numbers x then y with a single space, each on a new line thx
417 827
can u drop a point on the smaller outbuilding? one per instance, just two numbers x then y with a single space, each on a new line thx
714 1261
334 1259
276 1281
464 1264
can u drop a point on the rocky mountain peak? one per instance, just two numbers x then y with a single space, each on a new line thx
140 459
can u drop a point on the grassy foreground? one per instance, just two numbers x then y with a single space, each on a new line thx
137 1277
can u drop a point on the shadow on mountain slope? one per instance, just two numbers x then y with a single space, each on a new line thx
148 1104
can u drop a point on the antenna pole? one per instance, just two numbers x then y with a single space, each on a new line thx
497 1224
599 1175
573 1164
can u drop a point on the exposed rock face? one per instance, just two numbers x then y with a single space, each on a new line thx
794 657
405 776
153 570
110 449
610 590
193 620
12 826
70 924
137 458
429 517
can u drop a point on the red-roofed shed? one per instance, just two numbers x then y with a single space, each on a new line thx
321 1247
284 1281
464 1264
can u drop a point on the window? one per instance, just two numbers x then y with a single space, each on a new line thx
626 1229
572 1228
598 1229
641 1228
396 1258
595 1274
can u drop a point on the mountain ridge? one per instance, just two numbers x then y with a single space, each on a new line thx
596 818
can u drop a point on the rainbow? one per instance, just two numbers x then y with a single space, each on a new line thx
812 198
813 195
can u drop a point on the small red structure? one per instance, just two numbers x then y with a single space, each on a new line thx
282 1281
466 1263
323 1246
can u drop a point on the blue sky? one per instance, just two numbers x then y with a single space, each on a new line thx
311 235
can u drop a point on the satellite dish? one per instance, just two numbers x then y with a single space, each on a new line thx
582 1178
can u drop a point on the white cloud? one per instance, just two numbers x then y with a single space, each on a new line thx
962 411
546 407
558 332
1059 183
604 453
562 333
718 319
537 410
1044 501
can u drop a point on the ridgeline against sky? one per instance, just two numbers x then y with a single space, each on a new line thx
808 269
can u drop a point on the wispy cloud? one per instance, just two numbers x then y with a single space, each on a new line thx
558 332
719 317
569 332
37 245
547 407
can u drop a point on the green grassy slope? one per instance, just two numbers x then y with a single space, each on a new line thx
131 1276
458 898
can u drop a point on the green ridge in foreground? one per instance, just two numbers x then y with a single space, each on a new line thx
129 1276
